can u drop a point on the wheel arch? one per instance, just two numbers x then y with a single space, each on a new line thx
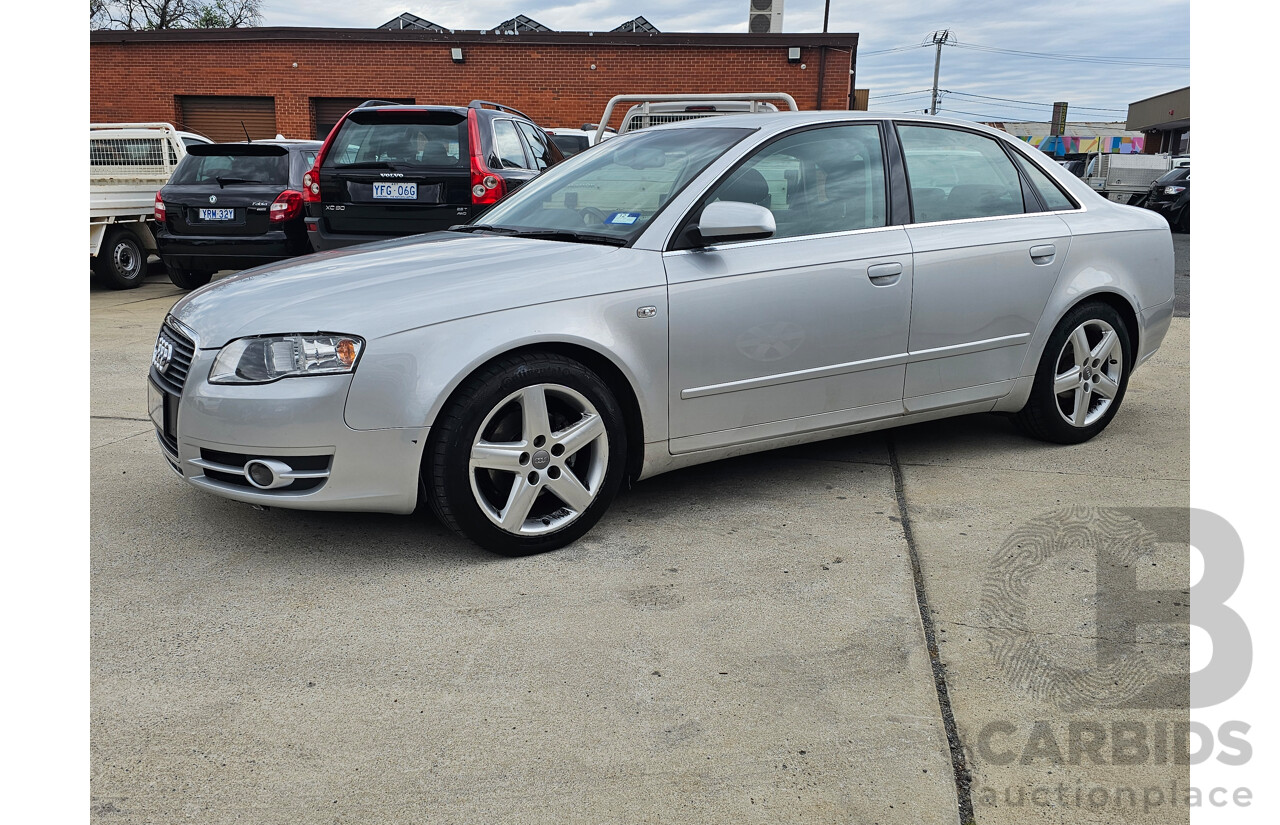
598 362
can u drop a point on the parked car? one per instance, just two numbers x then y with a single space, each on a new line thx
572 141
680 294
233 206
388 170
1075 167
1170 195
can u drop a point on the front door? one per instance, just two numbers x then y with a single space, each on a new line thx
807 329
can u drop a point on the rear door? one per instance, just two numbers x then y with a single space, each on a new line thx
987 254
226 189
397 173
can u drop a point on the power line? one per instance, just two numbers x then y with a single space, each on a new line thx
902 94
1181 63
892 51
1032 102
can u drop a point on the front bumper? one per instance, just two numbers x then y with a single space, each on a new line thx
298 419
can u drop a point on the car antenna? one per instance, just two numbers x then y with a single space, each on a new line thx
247 139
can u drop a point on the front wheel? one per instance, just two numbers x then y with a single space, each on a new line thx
121 262
528 454
1082 377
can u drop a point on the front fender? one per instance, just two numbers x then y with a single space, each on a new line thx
407 377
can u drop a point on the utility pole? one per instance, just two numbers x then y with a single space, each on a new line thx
939 38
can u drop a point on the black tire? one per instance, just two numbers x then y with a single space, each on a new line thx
1046 412
121 262
455 491
187 278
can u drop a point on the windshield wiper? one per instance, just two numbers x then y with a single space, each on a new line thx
482 227
222 182
570 235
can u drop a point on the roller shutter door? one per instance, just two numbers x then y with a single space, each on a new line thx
329 110
219 118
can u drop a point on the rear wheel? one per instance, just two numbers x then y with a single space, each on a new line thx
121 261
527 456
1082 377
187 278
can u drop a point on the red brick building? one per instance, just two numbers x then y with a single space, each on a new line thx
293 80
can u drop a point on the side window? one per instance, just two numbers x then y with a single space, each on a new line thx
815 181
956 174
537 145
507 145
1052 196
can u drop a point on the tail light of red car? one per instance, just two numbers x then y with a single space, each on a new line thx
486 187
287 206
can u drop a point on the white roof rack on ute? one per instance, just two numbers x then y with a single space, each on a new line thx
754 99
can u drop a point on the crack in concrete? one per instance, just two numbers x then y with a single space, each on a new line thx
1030 632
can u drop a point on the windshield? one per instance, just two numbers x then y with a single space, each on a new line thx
1173 176
615 189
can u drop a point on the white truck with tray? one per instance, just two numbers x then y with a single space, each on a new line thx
128 163
1122 177
654 110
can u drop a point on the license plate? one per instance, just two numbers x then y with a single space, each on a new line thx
217 214
155 405
396 191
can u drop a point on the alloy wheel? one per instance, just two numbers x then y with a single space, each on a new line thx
1089 372
539 459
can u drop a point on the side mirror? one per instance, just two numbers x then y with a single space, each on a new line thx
735 221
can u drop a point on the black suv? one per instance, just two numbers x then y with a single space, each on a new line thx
233 206
388 170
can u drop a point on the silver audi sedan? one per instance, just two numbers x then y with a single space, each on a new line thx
669 297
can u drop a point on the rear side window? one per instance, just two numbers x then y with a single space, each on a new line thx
537 145
1049 192
227 169
956 175
507 145
414 138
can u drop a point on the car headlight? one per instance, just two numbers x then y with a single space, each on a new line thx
270 357
1174 190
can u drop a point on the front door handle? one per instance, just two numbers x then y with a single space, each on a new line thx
1043 254
884 274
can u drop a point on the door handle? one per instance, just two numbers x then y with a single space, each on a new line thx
884 274
1043 254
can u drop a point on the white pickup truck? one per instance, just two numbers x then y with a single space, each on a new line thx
1124 178
654 110
128 163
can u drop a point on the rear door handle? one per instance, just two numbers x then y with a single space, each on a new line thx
884 274
1043 254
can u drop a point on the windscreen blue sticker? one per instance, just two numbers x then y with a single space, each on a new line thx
624 218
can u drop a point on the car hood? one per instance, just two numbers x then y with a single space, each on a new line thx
387 287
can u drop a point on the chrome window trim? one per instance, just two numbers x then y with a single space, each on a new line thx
773 241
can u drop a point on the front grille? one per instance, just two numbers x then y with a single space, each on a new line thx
174 377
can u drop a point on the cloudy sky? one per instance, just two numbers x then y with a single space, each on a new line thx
1091 53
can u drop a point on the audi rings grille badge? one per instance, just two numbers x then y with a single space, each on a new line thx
162 355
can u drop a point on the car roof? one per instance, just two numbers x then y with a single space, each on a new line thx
779 121
409 107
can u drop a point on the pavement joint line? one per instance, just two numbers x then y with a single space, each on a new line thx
140 301
959 770
1029 631
1028 470
118 440
116 418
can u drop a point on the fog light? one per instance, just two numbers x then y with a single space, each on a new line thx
267 474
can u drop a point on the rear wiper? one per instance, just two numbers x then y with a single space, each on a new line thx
571 236
222 182
366 164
